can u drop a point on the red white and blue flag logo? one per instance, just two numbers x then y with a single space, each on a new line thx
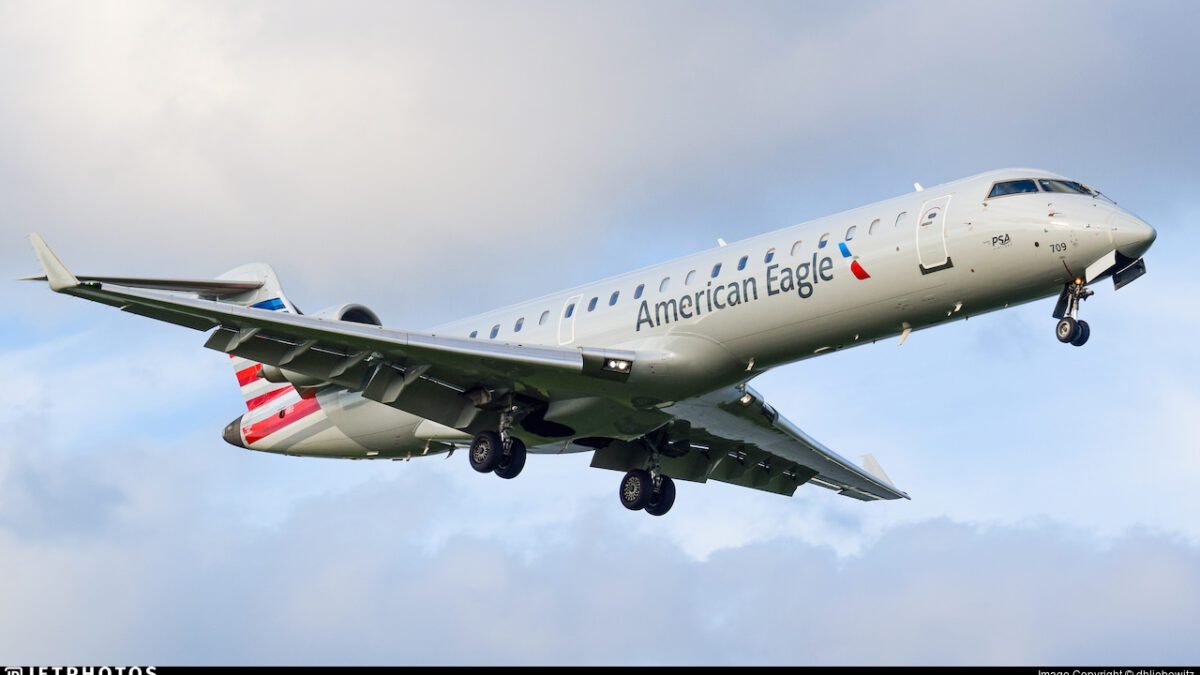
855 267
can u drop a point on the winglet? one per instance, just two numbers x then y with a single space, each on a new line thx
57 274
871 466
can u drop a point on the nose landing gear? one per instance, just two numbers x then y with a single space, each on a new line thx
1071 329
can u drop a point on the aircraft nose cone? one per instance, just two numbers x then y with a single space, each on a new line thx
1133 237
233 433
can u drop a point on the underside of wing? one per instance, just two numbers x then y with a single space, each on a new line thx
733 436
737 422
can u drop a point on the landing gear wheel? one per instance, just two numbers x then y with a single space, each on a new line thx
1065 330
662 500
486 451
513 460
1082 333
636 489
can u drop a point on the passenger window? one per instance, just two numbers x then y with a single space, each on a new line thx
637 294
850 232
796 247
716 270
770 256
570 310
742 263
474 333
691 276
545 317
495 331
824 240
520 323
613 300
592 304
874 226
902 219
665 283
1012 187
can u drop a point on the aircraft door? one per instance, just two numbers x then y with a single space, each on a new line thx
932 254
566 320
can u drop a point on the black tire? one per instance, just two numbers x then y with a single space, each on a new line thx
1082 333
513 460
1065 330
636 488
664 499
486 451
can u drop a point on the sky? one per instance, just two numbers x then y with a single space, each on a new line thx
440 159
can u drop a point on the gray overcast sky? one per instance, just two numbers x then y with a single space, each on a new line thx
387 152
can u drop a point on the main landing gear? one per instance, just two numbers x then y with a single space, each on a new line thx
1071 329
500 453
490 454
640 490
649 489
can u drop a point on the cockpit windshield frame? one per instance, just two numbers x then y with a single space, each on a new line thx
1021 186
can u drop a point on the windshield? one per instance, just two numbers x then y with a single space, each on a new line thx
1068 186
1012 187
1055 185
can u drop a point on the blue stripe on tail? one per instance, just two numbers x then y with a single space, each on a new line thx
272 304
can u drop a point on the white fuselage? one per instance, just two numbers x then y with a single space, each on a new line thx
932 256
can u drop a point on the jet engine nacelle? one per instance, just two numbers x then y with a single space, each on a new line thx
350 313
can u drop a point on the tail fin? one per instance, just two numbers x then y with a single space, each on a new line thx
269 296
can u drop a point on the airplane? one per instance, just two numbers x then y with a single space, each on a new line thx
649 371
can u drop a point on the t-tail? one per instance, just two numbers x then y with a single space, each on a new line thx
277 413
257 390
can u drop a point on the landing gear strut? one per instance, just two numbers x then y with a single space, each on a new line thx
501 453
1070 328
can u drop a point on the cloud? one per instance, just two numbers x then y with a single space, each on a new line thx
325 140
345 578
440 159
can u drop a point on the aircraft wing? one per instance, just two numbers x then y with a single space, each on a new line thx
441 378
743 440
735 436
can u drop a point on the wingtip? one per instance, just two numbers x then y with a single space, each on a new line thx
872 466
57 274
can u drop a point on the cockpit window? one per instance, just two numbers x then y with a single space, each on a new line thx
1068 186
1012 187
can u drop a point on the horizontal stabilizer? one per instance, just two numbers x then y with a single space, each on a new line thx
209 288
